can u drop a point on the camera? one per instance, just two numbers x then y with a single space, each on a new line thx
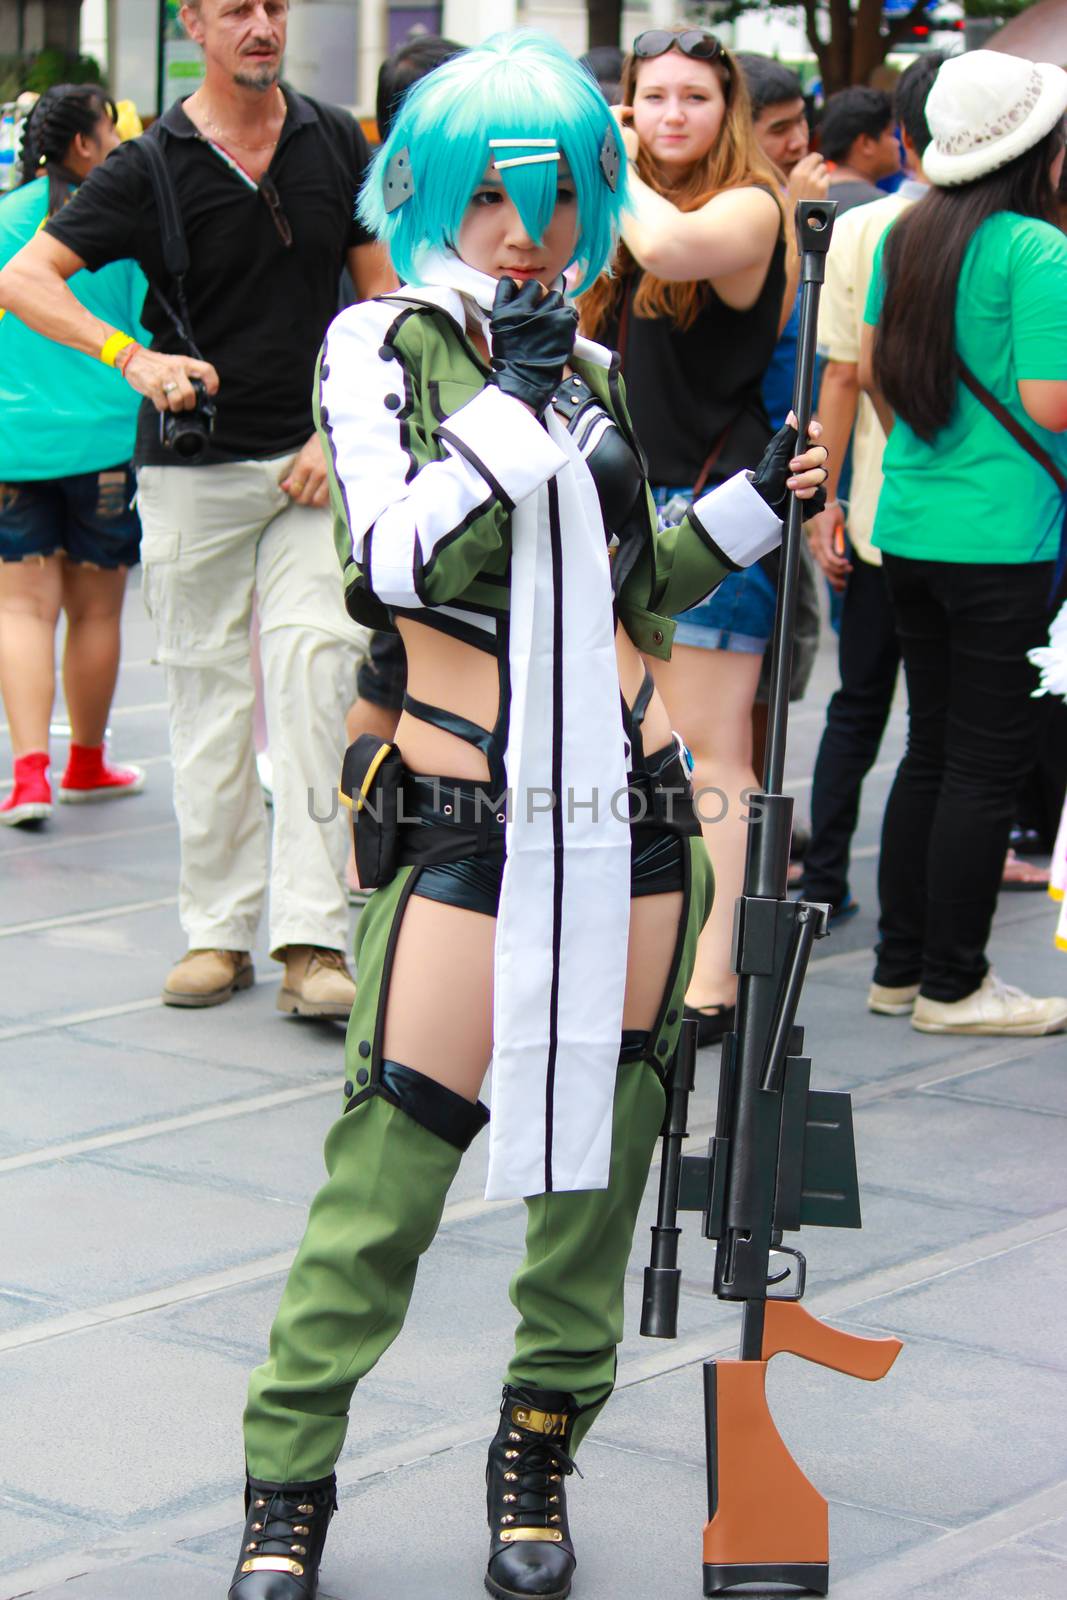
187 432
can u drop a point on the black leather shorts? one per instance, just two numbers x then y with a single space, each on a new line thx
454 831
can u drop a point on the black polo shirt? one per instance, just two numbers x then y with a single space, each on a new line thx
258 309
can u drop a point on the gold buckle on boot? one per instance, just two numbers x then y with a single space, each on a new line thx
551 1423
531 1535
273 1564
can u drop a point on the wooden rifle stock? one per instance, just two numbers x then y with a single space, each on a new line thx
766 1522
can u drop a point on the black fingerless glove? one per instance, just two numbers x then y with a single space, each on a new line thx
769 478
533 337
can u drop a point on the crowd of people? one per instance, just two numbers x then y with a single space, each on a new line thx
548 438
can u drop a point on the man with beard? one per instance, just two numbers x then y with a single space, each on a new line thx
266 183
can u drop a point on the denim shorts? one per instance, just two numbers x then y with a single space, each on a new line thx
87 517
739 615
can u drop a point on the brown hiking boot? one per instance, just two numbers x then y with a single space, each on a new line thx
208 977
317 983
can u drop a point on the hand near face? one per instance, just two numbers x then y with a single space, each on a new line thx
624 117
533 337
809 179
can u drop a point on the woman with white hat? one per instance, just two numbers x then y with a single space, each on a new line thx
967 348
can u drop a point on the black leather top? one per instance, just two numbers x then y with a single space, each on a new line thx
616 470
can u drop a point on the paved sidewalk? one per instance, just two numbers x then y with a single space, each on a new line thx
155 1166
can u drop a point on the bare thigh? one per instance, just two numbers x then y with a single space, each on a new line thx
32 588
710 695
93 594
654 934
439 1010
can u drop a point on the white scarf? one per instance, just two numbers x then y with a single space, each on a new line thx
563 924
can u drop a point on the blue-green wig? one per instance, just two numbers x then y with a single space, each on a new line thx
520 85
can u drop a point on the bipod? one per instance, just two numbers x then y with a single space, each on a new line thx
783 1155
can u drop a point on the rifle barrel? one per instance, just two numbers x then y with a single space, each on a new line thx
813 273
663 1280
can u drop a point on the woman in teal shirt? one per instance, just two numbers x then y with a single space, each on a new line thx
68 534
972 279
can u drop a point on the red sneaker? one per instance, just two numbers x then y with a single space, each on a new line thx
30 800
88 777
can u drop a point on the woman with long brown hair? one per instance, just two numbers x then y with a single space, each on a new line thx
965 353
694 309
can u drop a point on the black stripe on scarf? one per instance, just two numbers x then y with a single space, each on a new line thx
557 816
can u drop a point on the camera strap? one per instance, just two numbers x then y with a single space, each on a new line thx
175 246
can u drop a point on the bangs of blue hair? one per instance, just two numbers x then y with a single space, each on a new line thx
520 85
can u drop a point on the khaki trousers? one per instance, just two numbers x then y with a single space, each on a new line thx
214 538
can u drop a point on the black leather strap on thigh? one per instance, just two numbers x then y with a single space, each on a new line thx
634 1046
431 1105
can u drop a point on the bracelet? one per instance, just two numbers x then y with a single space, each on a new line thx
126 355
113 345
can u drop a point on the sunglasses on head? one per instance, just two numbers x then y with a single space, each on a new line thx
693 42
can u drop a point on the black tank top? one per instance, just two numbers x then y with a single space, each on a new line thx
686 389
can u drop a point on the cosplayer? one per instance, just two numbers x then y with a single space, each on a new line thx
492 506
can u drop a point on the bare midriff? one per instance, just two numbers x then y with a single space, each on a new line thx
447 673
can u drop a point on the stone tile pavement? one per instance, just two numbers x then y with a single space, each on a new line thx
154 1170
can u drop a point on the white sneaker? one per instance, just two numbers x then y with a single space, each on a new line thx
995 1008
889 1001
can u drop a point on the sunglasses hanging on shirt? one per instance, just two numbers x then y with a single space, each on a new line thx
270 194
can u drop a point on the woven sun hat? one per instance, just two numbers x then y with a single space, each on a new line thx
985 109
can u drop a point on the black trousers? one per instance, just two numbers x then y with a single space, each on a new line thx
868 658
964 631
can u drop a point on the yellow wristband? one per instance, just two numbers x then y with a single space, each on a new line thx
115 346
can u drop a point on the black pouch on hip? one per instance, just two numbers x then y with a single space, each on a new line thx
370 788
672 793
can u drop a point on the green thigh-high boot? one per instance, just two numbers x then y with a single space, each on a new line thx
344 1304
569 1296
569 1289
348 1290
390 1159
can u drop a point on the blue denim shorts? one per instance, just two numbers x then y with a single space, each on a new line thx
87 517
739 615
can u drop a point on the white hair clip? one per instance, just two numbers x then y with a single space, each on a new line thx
525 161
550 147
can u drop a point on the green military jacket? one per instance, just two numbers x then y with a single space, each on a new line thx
427 460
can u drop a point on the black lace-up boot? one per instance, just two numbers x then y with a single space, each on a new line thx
281 1547
530 1553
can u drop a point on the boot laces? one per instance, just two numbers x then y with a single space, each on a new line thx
533 1472
333 960
281 1521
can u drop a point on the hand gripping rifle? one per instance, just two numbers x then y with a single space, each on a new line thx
783 1154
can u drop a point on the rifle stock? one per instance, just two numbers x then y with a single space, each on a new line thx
750 1468
790 1329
